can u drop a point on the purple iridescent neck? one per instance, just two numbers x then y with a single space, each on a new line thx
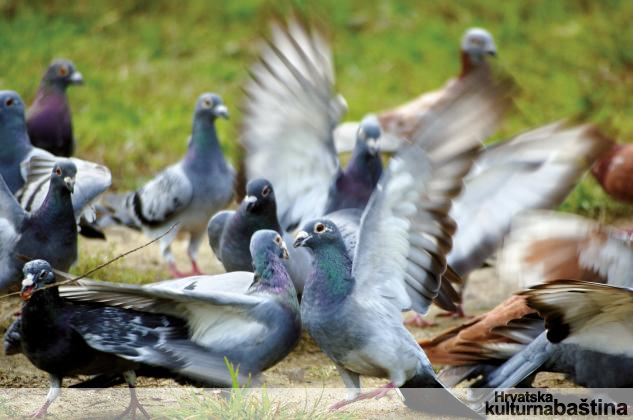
331 280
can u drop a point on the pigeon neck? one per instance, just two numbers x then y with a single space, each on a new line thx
14 141
43 304
271 275
364 166
57 206
331 280
50 88
468 65
204 140
262 218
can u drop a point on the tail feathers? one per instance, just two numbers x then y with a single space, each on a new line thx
114 209
424 393
12 342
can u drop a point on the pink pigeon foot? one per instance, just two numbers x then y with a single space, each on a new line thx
375 394
417 321
174 272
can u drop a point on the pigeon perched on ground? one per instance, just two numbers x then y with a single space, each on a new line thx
49 232
187 193
352 306
401 122
27 169
288 121
251 319
614 172
48 119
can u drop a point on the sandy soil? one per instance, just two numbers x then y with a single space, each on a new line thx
306 367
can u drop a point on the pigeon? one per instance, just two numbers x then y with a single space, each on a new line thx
352 304
291 110
49 232
48 119
186 194
400 123
186 327
230 233
614 171
27 169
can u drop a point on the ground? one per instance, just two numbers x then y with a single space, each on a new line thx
305 367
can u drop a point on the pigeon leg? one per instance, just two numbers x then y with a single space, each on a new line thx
459 313
173 270
375 394
192 251
130 378
417 321
53 393
165 249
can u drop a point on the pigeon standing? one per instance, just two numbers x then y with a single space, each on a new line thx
187 193
49 119
49 232
183 327
27 169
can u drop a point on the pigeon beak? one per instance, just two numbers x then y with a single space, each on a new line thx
250 201
284 252
373 146
28 285
492 52
76 78
221 111
301 239
70 183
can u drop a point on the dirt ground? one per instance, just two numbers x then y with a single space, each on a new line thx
305 367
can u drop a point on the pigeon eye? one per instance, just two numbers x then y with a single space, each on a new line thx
206 103
63 71
278 240
42 274
9 102
319 228
58 171
265 191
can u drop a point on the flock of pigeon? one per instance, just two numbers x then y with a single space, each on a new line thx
369 241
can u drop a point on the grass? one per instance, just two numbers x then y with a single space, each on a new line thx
243 404
145 63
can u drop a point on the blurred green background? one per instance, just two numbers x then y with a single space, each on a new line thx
145 63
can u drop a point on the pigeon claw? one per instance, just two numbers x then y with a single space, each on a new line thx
417 321
375 394
41 412
132 407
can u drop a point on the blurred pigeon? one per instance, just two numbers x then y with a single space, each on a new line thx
187 193
27 169
401 122
230 233
291 110
195 323
364 296
614 172
49 232
48 119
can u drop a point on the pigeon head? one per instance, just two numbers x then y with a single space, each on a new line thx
11 109
62 73
37 274
477 43
317 233
211 105
266 242
368 135
64 173
259 197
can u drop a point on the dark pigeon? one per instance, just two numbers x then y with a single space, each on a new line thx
49 119
187 193
49 232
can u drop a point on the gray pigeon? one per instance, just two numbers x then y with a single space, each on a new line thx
49 232
288 121
27 169
187 193
48 119
352 306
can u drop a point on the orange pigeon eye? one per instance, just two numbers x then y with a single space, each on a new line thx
58 171
63 71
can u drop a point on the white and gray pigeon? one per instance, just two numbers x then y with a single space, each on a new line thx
27 169
289 117
48 232
187 193
352 305
185 327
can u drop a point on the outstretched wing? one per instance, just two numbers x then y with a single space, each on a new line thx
535 170
405 231
10 209
289 116
162 198
594 316
91 181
